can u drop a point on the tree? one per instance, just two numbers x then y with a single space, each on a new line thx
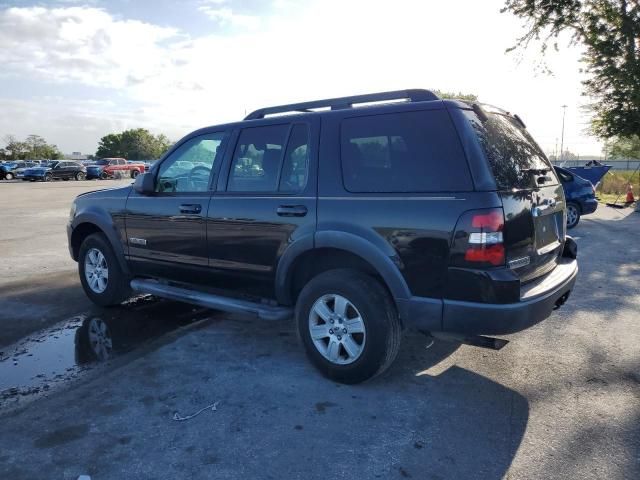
135 144
624 147
610 31
34 147
470 97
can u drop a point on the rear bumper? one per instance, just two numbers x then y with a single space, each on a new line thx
589 206
537 301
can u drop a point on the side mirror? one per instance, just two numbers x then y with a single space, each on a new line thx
144 184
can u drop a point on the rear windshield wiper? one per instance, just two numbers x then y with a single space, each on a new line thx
536 171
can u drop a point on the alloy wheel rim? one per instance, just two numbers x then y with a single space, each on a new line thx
96 270
100 339
572 214
337 329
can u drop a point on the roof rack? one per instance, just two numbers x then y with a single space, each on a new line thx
413 95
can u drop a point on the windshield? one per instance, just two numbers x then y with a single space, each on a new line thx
101 162
515 158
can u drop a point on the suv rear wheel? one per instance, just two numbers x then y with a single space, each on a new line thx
103 280
348 325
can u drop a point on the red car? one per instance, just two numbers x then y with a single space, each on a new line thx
115 167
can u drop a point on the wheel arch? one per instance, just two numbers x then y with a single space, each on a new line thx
330 250
89 223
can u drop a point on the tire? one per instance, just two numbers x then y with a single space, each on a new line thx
103 176
375 349
105 293
47 177
573 214
80 176
134 173
8 176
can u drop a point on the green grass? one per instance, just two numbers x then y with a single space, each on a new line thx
615 183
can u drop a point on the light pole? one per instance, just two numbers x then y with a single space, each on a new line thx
564 111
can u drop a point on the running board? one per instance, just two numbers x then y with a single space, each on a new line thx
209 300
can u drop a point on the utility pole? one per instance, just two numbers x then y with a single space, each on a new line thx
564 111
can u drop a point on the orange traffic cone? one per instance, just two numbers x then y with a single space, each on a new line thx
630 197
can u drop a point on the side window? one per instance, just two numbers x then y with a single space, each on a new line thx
257 159
189 167
113 162
403 152
122 162
295 168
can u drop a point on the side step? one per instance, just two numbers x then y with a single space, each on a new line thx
209 300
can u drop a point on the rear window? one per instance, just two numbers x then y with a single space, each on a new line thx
403 152
515 158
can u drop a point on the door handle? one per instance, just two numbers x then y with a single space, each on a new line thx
291 210
191 208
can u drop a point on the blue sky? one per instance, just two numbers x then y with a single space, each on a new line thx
74 71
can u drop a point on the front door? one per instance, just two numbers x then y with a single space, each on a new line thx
267 200
166 231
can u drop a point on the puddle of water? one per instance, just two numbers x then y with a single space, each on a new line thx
64 351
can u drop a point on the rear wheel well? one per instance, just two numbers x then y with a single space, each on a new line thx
81 232
576 204
317 261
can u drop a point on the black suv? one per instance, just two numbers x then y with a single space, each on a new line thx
357 217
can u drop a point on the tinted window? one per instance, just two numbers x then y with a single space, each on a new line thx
513 155
257 159
403 152
189 167
296 161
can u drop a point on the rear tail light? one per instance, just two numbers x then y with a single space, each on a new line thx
478 240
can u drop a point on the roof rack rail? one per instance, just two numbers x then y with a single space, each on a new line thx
413 95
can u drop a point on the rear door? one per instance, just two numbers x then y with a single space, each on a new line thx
266 200
532 197
166 231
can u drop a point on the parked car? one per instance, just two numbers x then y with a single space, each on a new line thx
56 170
112 167
358 221
11 170
95 170
580 195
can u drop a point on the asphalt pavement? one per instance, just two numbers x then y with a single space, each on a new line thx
561 400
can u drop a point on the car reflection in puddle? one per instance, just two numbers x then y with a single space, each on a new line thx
64 352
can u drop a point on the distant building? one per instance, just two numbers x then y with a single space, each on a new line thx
76 156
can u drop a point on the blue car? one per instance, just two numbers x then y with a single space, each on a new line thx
579 193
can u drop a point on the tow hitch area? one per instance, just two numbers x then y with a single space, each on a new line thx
473 340
561 301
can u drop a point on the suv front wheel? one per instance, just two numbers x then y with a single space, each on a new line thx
100 273
348 325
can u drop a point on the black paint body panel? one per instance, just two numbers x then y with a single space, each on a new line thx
240 241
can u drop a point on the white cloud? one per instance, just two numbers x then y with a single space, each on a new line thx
217 11
81 44
172 81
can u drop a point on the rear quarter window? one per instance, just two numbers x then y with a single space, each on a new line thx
403 152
